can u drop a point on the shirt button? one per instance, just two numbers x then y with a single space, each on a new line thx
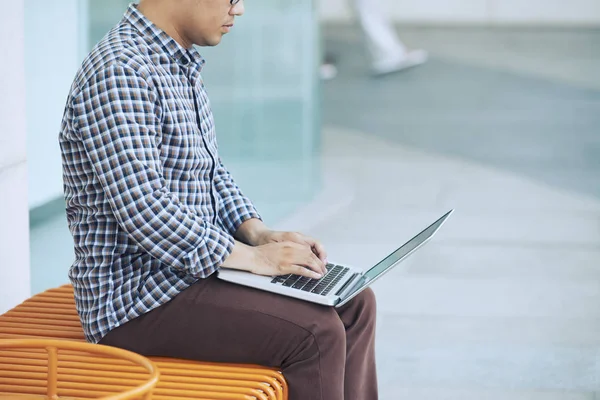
184 61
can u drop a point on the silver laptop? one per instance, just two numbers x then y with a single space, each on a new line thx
341 283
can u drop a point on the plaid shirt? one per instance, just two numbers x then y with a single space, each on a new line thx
150 205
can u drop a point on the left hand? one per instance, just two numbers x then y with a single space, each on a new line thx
270 236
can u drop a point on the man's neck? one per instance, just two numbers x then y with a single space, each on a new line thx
163 19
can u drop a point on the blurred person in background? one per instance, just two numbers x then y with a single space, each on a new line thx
388 53
154 214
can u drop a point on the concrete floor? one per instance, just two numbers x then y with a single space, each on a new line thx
503 126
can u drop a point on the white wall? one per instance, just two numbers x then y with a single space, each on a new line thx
53 40
14 215
476 11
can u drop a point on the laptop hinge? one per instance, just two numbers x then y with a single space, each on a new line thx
348 282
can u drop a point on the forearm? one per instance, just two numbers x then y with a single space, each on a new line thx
251 231
172 233
242 257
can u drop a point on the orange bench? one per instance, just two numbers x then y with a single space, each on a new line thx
52 315
37 366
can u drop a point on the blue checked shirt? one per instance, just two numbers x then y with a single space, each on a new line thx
150 205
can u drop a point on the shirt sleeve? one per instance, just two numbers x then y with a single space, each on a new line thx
235 207
117 117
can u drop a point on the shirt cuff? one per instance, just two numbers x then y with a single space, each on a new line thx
215 248
242 211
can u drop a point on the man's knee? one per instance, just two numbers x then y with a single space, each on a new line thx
366 302
328 328
323 337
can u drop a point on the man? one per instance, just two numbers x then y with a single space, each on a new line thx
154 214
388 53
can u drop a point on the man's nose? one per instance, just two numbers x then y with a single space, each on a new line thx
238 9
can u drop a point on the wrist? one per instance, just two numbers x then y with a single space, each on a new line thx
252 232
243 257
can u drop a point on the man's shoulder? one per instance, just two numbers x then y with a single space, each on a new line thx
123 47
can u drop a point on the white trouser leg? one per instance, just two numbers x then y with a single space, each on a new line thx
382 40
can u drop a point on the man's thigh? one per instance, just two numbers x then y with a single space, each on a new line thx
214 320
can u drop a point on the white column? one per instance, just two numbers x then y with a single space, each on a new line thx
14 212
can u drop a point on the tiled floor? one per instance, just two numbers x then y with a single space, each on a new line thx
502 304
503 126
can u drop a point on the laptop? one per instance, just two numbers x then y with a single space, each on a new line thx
341 283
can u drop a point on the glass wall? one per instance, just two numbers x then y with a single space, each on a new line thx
263 85
264 88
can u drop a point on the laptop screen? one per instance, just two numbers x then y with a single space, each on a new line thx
403 251
390 261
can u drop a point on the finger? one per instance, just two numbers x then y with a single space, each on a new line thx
303 271
317 247
317 251
304 256
299 238
313 260
320 251
296 237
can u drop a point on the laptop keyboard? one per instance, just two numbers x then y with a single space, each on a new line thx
322 286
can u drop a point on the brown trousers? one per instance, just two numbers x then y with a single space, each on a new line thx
325 353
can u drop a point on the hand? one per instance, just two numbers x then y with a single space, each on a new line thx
269 236
282 258
276 259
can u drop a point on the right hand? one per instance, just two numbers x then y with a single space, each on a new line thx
284 258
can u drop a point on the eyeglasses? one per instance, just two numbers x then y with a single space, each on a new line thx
233 2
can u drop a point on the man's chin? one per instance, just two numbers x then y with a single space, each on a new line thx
211 42
215 41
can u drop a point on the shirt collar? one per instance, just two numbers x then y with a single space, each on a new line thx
153 33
